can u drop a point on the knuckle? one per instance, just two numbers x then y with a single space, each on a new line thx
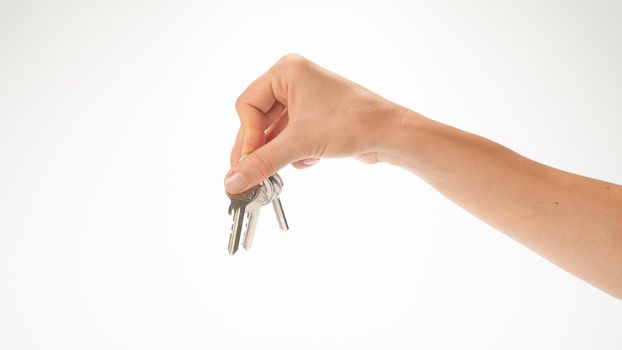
291 58
239 103
292 62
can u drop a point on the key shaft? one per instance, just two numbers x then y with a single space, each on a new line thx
239 203
266 192
277 184
280 214
252 218
236 229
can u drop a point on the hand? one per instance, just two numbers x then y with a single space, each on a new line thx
298 112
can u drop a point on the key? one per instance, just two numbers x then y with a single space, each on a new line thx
265 195
246 207
238 205
277 183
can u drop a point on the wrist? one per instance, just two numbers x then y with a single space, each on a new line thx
394 132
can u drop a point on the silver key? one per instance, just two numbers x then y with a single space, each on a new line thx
265 195
277 183
247 205
238 205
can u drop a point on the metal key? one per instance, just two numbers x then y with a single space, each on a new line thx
247 205
238 205
277 183
266 192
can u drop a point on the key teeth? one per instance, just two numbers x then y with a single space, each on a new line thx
245 232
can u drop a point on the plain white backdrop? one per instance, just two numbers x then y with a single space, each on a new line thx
116 122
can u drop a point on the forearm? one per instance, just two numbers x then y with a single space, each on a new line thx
574 221
298 111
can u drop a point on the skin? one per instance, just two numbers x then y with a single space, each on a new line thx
298 112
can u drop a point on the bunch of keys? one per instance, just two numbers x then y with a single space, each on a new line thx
248 204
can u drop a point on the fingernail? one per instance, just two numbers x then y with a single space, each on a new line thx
310 161
235 182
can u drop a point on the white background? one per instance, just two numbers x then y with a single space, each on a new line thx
116 121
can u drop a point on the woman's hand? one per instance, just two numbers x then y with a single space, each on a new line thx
298 112
304 112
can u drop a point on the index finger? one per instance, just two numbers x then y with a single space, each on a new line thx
252 106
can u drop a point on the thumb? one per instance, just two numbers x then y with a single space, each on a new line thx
262 163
